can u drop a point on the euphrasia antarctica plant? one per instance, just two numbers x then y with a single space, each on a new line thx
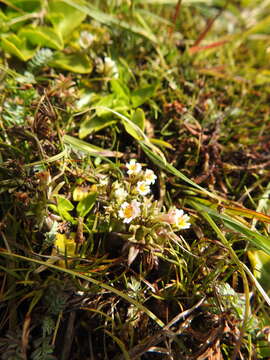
125 207
138 215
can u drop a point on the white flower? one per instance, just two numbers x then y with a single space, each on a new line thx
104 181
110 67
86 39
134 168
143 188
120 194
129 211
149 176
107 67
176 217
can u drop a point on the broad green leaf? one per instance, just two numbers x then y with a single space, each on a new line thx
91 150
63 208
86 204
132 129
140 96
111 101
43 36
120 89
18 47
78 63
138 118
63 203
64 18
91 124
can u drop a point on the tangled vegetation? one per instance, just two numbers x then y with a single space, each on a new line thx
134 179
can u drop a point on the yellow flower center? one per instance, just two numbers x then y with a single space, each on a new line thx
182 222
128 211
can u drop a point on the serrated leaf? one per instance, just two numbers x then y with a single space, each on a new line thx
43 36
78 63
86 204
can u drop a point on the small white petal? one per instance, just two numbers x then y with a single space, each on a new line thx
129 211
134 168
149 176
142 188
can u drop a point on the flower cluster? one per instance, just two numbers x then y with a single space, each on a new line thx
133 203
177 218
132 212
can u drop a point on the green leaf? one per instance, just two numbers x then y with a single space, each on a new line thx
64 18
120 89
63 208
109 19
91 280
161 163
86 204
90 149
162 143
63 203
137 132
17 46
111 101
91 124
255 238
260 262
25 5
138 118
260 27
132 129
43 36
140 96
78 63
